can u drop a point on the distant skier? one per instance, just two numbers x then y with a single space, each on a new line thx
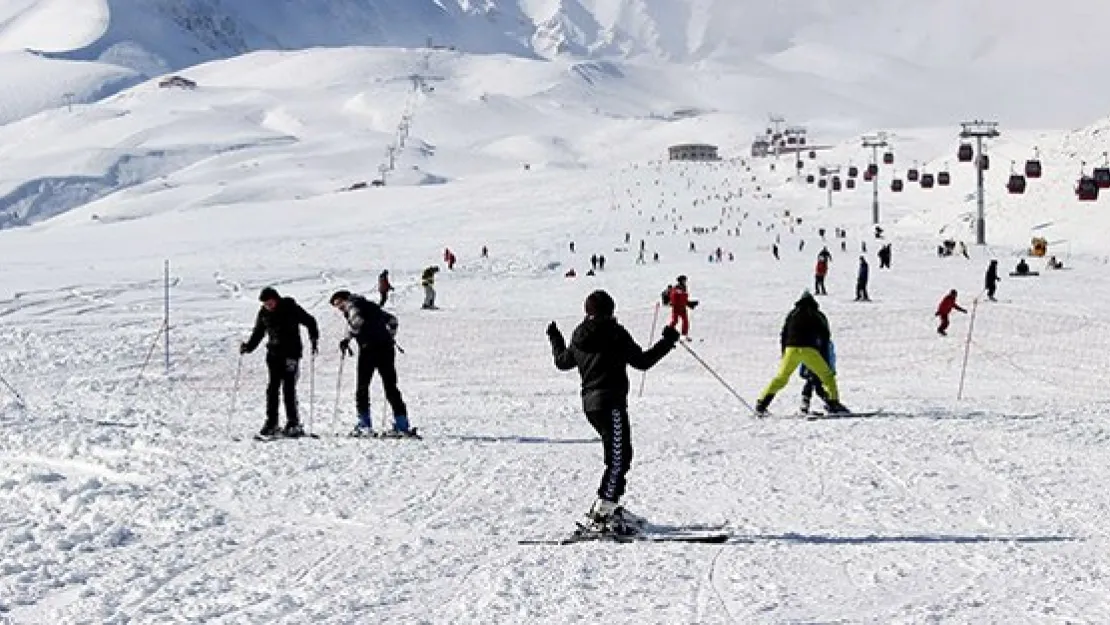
862 276
678 298
601 349
884 257
825 254
804 334
601 262
384 287
280 319
819 273
485 251
775 250
593 262
428 281
991 280
944 309
373 329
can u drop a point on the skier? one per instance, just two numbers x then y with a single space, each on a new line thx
819 274
991 280
804 333
601 349
861 280
824 254
428 281
775 250
601 262
384 287
884 257
813 384
373 329
485 252
678 297
944 309
593 262
280 319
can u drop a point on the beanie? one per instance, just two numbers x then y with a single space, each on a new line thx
600 304
268 294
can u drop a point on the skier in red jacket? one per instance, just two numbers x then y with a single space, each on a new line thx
679 299
944 309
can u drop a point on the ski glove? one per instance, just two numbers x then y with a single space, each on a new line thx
244 348
315 348
670 334
553 331
693 304
345 347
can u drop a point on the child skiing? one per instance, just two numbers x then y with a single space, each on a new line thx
804 334
944 309
601 349
813 384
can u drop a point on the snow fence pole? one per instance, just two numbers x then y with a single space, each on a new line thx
18 397
719 378
234 393
967 348
654 320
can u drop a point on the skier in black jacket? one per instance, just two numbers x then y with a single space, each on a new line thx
804 339
280 319
601 349
373 329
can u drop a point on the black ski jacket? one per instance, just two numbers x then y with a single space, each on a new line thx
805 326
283 327
601 349
369 325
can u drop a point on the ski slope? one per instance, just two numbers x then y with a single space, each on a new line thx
133 495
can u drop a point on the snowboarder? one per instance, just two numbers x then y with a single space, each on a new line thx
861 280
280 319
804 334
384 287
373 329
678 298
601 349
991 280
819 273
944 309
428 281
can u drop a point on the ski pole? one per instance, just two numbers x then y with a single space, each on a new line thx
719 378
338 389
18 397
234 393
654 320
311 391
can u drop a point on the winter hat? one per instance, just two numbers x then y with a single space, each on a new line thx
806 300
268 294
339 296
600 304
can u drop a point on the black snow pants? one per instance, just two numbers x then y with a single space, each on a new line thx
382 359
283 381
616 439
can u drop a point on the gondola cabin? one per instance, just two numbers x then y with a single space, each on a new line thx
868 176
1016 185
812 154
965 153
810 179
1102 177
1087 189
822 183
944 179
873 169
912 174
1033 168
927 181
836 183
984 162
888 158
853 171
896 185
850 183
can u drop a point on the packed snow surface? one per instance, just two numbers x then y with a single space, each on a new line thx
133 494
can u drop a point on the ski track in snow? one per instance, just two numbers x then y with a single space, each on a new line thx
123 499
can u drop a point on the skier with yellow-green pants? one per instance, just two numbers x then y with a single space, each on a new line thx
805 337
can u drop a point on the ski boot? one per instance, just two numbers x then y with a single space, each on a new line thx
763 404
604 519
804 408
834 407
364 427
630 520
293 430
401 428
269 430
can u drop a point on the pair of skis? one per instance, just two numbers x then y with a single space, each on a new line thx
710 535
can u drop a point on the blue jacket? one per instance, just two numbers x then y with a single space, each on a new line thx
864 270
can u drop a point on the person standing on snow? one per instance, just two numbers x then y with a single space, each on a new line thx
819 273
601 349
861 280
373 330
280 319
678 297
944 309
991 280
804 334
428 281
824 255
384 287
